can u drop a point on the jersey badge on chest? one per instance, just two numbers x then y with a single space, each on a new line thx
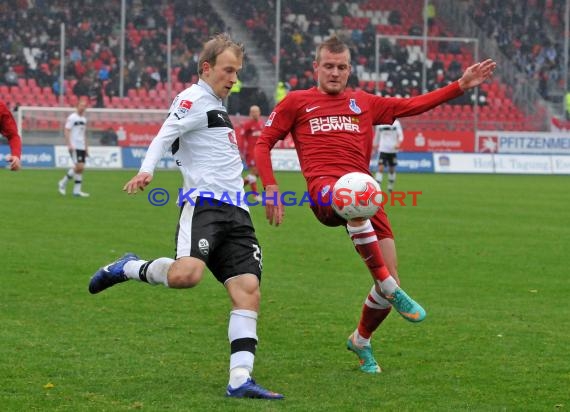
354 107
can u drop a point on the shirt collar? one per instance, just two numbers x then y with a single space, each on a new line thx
208 88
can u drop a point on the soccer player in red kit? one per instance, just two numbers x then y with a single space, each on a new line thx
9 129
250 131
333 133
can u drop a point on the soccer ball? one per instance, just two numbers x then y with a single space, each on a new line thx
356 195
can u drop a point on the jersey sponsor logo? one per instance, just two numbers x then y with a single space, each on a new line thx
183 108
354 107
333 123
269 121
219 118
310 109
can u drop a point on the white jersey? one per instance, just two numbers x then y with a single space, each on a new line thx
202 139
77 126
389 137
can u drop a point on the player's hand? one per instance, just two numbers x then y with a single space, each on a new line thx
274 211
140 181
14 162
477 74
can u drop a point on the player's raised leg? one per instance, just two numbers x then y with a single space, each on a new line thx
366 243
130 266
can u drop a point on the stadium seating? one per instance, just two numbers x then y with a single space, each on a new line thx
93 45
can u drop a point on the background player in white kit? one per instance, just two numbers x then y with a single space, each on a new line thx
388 139
216 234
76 141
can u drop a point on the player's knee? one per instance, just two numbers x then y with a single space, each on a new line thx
244 291
185 274
184 279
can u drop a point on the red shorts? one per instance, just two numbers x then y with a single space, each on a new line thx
320 190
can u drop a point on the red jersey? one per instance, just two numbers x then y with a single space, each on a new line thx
9 130
250 132
333 134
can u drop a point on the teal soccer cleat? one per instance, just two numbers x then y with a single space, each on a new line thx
406 306
367 362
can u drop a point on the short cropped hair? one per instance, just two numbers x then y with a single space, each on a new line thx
216 46
333 45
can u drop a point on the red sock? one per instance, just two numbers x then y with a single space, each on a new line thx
254 187
371 320
373 314
366 244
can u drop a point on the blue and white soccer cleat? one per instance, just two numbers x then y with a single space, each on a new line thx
406 306
367 362
111 274
250 389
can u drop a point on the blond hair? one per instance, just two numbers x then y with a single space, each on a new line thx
334 45
216 46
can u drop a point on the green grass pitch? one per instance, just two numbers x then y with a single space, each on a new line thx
486 255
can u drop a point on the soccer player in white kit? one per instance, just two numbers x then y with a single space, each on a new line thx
388 137
76 141
214 231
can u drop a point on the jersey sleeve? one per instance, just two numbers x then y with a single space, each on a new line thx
390 108
399 131
184 117
277 127
9 129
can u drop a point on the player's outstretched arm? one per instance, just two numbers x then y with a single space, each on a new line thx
140 181
477 74
274 211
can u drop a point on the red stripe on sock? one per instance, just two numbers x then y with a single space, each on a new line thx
371 319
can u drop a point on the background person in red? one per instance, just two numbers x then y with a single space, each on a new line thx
250 132
333 131
9 130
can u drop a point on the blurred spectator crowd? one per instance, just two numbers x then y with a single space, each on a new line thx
30 43
530 33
